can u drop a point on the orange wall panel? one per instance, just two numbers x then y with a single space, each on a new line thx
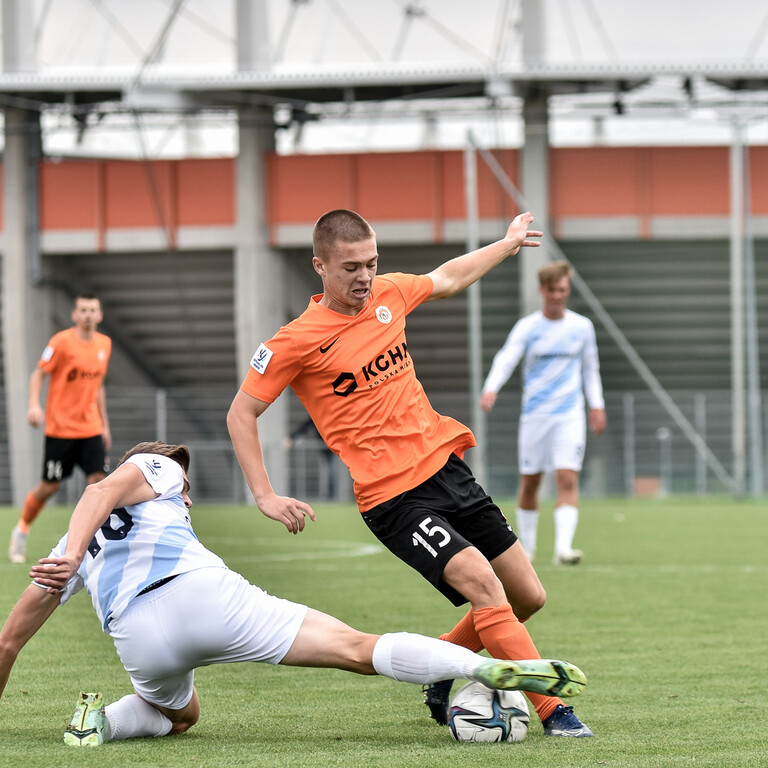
303 187
493 201
70 195
758 179
138 194
383 186
451 185
689 181
205 192
397 186
597 181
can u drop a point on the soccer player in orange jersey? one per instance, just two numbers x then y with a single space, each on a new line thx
76 423
347 359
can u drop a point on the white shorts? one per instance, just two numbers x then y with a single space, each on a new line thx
206 616
551 443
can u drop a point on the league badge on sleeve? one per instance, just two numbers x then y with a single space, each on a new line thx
261 358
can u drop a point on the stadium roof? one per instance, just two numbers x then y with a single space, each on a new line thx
422 68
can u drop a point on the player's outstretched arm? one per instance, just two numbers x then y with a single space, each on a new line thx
124 487
455 275
243 429
33 609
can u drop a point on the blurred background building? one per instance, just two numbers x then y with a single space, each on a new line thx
172 156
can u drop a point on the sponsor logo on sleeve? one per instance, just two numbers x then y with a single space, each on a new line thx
261 358
47 353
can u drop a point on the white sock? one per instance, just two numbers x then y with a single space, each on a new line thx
566 520
527 527
132 717
412 658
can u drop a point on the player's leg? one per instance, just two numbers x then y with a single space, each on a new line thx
501 632
527 513
131 717
522 587
324 641
160 648
58 462
532 455
566 517
569 440
444 516
92 458
152 717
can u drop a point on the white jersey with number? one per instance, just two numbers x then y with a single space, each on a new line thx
560 365
140 544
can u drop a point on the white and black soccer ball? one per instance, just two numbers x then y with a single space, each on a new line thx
478 713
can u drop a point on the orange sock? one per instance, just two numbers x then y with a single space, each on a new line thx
505 637
464 634
29 512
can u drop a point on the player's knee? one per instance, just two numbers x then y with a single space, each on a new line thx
45 490
182 726
482 588
535 602
526 602
359 653
186 721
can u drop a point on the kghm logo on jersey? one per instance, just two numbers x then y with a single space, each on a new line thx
383 315
344 384
375 372
76 373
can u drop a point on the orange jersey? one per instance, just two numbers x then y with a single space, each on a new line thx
357 381
76 369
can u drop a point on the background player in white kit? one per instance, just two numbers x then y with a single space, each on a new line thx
130 543
560 365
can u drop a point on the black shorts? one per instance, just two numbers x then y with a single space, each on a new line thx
426 526
62 454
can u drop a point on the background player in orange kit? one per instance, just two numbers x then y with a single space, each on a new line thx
347 359
76 423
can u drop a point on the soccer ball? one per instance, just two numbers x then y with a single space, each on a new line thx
478 713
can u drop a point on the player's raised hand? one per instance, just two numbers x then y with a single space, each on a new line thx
519 233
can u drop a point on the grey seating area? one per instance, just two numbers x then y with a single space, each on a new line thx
174 369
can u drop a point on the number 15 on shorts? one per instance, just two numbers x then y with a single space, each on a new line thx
436 534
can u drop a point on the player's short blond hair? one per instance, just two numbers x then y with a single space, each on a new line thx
554 271
339 226
179 453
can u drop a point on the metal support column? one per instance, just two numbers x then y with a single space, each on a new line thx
259 278
24 315
534 157
738 401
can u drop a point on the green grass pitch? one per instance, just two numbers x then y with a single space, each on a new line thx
668 616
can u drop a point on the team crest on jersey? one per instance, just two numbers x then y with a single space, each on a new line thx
101 355
383 315
261 358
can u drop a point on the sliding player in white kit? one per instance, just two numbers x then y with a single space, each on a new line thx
560 365
170 606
